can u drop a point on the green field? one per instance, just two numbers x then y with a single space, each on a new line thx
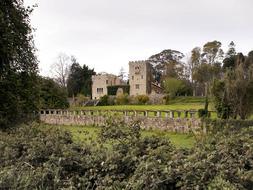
179 103
89 134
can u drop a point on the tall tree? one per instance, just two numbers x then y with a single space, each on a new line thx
19 94
79 79
235 96
209 67
52 95
229 61
212 52
60 69
167 63
192 64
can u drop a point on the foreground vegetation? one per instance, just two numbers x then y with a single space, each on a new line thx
90 134
31 158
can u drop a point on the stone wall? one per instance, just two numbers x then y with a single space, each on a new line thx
174 121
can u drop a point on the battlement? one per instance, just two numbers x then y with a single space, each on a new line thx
138 62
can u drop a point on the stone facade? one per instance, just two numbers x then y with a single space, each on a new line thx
140 78
100 83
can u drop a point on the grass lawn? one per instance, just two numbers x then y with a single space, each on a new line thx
143 107
179 103
90 134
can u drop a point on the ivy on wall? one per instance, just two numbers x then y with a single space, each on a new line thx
112 90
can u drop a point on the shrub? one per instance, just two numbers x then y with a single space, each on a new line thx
203 113
103 101
111 100
32 157
81 99
122 99
142 99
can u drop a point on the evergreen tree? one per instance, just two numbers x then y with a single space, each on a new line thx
19 95
79 79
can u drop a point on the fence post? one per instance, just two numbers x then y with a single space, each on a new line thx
171 114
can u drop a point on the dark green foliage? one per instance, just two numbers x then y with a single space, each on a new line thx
221 103
228 63
112 90
79 79
202 113
218 125
103 101
19 94
52 95
234 93
33 158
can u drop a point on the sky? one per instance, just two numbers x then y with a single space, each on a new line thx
107 34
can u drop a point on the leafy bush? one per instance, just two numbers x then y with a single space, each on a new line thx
52 95
103 101
142 99
203 113
122 99
33 158
81 99
217 125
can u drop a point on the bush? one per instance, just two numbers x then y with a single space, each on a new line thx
103 101
122 99
217 125
81 99
111 100
142 99
203 113
52 95
32 157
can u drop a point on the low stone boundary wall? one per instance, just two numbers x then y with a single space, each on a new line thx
176 121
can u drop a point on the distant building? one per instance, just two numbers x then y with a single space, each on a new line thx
140 81
140 78
100 83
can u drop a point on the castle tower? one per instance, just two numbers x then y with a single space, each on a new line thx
140 77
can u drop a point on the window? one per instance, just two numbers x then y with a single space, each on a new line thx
107 82
100 90
137 86
141 76
132 77
137 70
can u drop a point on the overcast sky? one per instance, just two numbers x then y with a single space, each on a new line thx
107 34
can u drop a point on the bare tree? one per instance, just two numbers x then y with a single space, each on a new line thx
60 69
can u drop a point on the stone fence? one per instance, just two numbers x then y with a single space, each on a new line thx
171 120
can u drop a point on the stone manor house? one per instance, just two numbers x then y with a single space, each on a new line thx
140 81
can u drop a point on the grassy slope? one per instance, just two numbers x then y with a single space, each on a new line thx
179 103
90 134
